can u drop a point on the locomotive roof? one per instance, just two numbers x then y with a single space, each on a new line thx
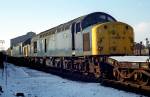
95 17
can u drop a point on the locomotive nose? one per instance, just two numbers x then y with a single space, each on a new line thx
114 38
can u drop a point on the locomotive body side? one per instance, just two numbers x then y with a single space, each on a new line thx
111 38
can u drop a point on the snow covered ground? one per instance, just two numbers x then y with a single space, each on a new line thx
38 84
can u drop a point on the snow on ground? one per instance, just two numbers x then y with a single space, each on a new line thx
38 84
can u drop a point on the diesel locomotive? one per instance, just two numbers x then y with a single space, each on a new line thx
83 48
81 45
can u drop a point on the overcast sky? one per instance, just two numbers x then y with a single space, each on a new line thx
17 17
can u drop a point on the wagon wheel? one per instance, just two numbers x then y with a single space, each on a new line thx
141 79
117 75
120 78
144 83
144 80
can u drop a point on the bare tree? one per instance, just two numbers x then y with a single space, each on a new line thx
148 46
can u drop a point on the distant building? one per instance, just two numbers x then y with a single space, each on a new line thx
16 44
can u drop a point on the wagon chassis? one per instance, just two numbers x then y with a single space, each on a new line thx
91 69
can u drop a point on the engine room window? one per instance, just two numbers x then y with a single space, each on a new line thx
35 47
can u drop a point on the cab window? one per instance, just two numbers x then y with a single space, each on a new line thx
110 19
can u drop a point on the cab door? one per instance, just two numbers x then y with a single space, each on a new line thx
86 43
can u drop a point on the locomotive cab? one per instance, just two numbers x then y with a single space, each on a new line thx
112 38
